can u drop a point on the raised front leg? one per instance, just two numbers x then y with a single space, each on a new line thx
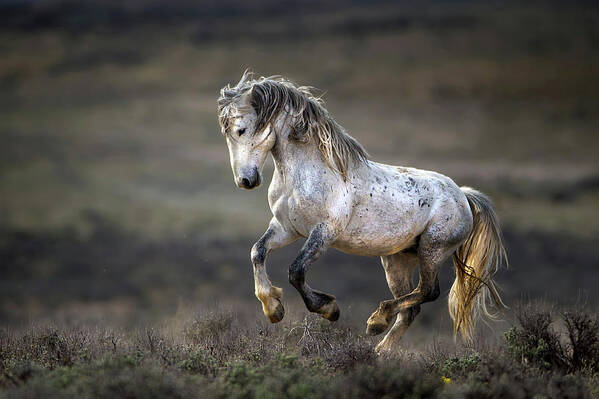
318 302
270 296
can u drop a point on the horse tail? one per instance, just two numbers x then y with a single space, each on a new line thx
476 261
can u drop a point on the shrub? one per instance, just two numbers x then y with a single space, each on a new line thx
583 333
115 377
460 366
534 341
209 327
338 348
537 343
311 359
197 361
567 387
388 380
16 372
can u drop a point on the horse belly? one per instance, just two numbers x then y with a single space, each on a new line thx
378 232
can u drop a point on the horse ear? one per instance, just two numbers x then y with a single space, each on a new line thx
247 75
226 96
227 92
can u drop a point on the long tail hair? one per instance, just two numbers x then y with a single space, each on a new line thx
476 261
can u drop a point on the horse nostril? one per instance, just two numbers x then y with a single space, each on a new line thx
245 182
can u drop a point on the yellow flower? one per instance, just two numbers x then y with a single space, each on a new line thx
445 379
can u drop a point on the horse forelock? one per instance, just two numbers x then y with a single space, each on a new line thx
269 96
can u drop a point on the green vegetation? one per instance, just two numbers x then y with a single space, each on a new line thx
217 355
538 343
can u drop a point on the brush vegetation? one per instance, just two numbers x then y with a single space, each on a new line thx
545 354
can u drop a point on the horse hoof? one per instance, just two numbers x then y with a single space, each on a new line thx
380 350
384 351
376 324
330 311
278 314
375 329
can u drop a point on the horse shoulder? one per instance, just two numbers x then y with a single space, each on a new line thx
321 197
275 190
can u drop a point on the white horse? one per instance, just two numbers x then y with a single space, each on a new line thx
325 189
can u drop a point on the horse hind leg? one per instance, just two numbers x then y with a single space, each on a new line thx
436 245
426 291
399 269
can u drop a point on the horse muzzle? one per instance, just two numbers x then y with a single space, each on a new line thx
249 180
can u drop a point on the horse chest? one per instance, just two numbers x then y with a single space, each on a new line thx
303 206
306 211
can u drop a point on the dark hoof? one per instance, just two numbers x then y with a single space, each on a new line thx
328 306
376 328
278 313
377 323
330 311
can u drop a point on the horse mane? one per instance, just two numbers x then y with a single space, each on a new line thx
269 96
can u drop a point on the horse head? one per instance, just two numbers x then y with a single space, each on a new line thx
248 139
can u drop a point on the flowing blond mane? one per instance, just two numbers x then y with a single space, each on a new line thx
272 95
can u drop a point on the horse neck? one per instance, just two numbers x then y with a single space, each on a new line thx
289 154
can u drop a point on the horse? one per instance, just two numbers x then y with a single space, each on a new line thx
326 190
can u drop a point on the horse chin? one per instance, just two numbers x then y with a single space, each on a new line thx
251 188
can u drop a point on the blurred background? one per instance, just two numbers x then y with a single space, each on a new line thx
117 203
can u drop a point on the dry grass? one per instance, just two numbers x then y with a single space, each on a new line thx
222 355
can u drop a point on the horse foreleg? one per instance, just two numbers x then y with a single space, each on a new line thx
318 302
269 295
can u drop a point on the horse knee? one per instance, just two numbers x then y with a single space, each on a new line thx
410 314
257 254
432 292
415 311
296 276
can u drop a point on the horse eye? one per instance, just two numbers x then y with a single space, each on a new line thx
241 131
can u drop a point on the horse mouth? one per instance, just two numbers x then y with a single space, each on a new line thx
249 184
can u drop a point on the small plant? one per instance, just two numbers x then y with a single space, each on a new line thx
198 361
389 381
286 360
209 327
534 341
583 333
15 373
460 366
240 379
